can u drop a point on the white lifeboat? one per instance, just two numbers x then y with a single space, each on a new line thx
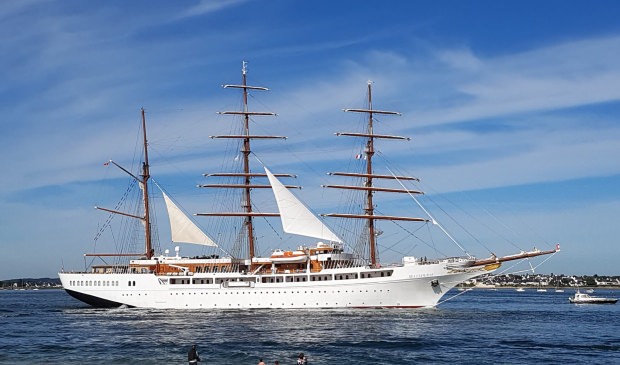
288 257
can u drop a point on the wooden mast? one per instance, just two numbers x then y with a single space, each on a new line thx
246 166
246 174
149 252
368 187
145 177
369 207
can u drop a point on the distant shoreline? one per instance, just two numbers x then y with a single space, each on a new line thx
615 287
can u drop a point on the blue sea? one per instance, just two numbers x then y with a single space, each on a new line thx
478 327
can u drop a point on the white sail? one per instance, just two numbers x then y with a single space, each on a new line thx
182 228
295 216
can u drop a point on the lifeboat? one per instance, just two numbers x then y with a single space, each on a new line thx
288 257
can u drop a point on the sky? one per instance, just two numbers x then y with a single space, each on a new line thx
513 109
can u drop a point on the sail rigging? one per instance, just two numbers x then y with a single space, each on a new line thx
149 251
368 187
295 216
246 185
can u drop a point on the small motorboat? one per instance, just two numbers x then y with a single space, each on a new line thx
520 289
584 298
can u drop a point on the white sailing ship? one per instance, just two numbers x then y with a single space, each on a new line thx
323 275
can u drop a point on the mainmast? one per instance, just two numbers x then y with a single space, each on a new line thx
368 187
247 176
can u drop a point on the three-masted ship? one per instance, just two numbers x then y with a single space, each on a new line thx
323 275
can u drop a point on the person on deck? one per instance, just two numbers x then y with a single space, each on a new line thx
261 362
192 356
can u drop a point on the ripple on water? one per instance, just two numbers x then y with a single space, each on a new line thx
489 327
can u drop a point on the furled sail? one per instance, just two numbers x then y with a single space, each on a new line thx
296 217
182 228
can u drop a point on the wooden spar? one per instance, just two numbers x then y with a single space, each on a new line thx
243 186
369 110
372 188
251 137
240 214
242 174
246 113
522 255
246 87
121 213
145 177
382 217
367 135
373 176
113 254
122 168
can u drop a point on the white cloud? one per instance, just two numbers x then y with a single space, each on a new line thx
208 6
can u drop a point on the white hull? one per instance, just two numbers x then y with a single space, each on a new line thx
406 286
582 298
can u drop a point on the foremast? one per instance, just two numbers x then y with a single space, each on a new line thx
146 175
247 175
143 182
368 187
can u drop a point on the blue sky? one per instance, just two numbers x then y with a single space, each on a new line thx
513 109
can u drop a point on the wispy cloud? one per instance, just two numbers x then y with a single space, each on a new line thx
209 6
555 77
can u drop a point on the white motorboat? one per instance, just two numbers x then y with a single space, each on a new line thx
584 298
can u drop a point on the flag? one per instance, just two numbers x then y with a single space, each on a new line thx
106 164
360 157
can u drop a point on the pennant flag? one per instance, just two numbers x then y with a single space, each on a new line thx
106 164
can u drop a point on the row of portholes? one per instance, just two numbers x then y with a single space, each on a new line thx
273 292
420 275
284 304
93 283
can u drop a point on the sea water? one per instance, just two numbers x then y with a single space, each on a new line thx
477 327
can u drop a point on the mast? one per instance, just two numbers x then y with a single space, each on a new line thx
246 166
143 182
369 207
368 187
247 175
145 177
